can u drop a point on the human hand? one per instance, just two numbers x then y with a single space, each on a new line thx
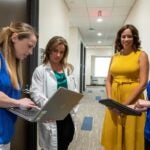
137 108
141 105
26 103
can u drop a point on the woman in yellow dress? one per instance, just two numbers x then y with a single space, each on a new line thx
126 81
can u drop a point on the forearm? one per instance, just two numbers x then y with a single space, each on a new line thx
6 101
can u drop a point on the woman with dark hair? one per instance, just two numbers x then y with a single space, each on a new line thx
55 72
126 81
16 43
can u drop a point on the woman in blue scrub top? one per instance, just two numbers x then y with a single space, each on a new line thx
16 43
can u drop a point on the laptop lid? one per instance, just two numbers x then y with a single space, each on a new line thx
57 107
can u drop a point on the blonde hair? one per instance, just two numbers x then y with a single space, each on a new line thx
23 30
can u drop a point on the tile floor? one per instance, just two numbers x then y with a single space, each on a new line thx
89 107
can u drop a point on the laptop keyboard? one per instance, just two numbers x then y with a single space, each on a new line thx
28 112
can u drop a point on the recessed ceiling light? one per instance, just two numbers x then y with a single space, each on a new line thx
99 42
99 19
99 34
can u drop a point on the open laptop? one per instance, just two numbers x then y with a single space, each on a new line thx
122 108
56 108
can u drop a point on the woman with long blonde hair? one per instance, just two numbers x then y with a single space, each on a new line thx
16 43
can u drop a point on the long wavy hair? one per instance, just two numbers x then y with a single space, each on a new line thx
23 31
136 40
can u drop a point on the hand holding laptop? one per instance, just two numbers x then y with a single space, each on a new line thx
56 108
26 103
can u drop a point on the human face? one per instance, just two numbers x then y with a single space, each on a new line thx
127 39
24 47
57 54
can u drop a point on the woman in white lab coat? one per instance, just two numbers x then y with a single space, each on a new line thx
55 72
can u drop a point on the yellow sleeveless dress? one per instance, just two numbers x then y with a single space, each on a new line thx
126 132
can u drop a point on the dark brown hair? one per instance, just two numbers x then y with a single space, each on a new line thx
136 41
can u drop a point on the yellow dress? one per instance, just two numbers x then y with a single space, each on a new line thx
126 132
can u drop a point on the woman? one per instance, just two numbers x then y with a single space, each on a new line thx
55 72
126 80
16 43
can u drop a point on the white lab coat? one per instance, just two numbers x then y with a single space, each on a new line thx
43 85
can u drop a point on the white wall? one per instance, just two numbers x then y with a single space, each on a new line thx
74 54
54 20
139 16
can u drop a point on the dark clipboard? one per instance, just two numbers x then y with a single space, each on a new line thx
122 108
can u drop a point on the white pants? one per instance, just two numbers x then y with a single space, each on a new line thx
5 146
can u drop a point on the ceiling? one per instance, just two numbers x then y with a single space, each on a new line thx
84 13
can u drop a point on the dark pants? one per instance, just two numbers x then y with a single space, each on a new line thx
147 144
65 132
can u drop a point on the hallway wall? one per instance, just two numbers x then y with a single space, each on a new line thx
139 16
54 20
74 53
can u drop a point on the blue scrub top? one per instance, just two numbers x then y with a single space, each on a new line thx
7 119
147 124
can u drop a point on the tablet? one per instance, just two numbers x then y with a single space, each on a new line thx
122 108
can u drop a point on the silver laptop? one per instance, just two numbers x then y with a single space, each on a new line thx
56 108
